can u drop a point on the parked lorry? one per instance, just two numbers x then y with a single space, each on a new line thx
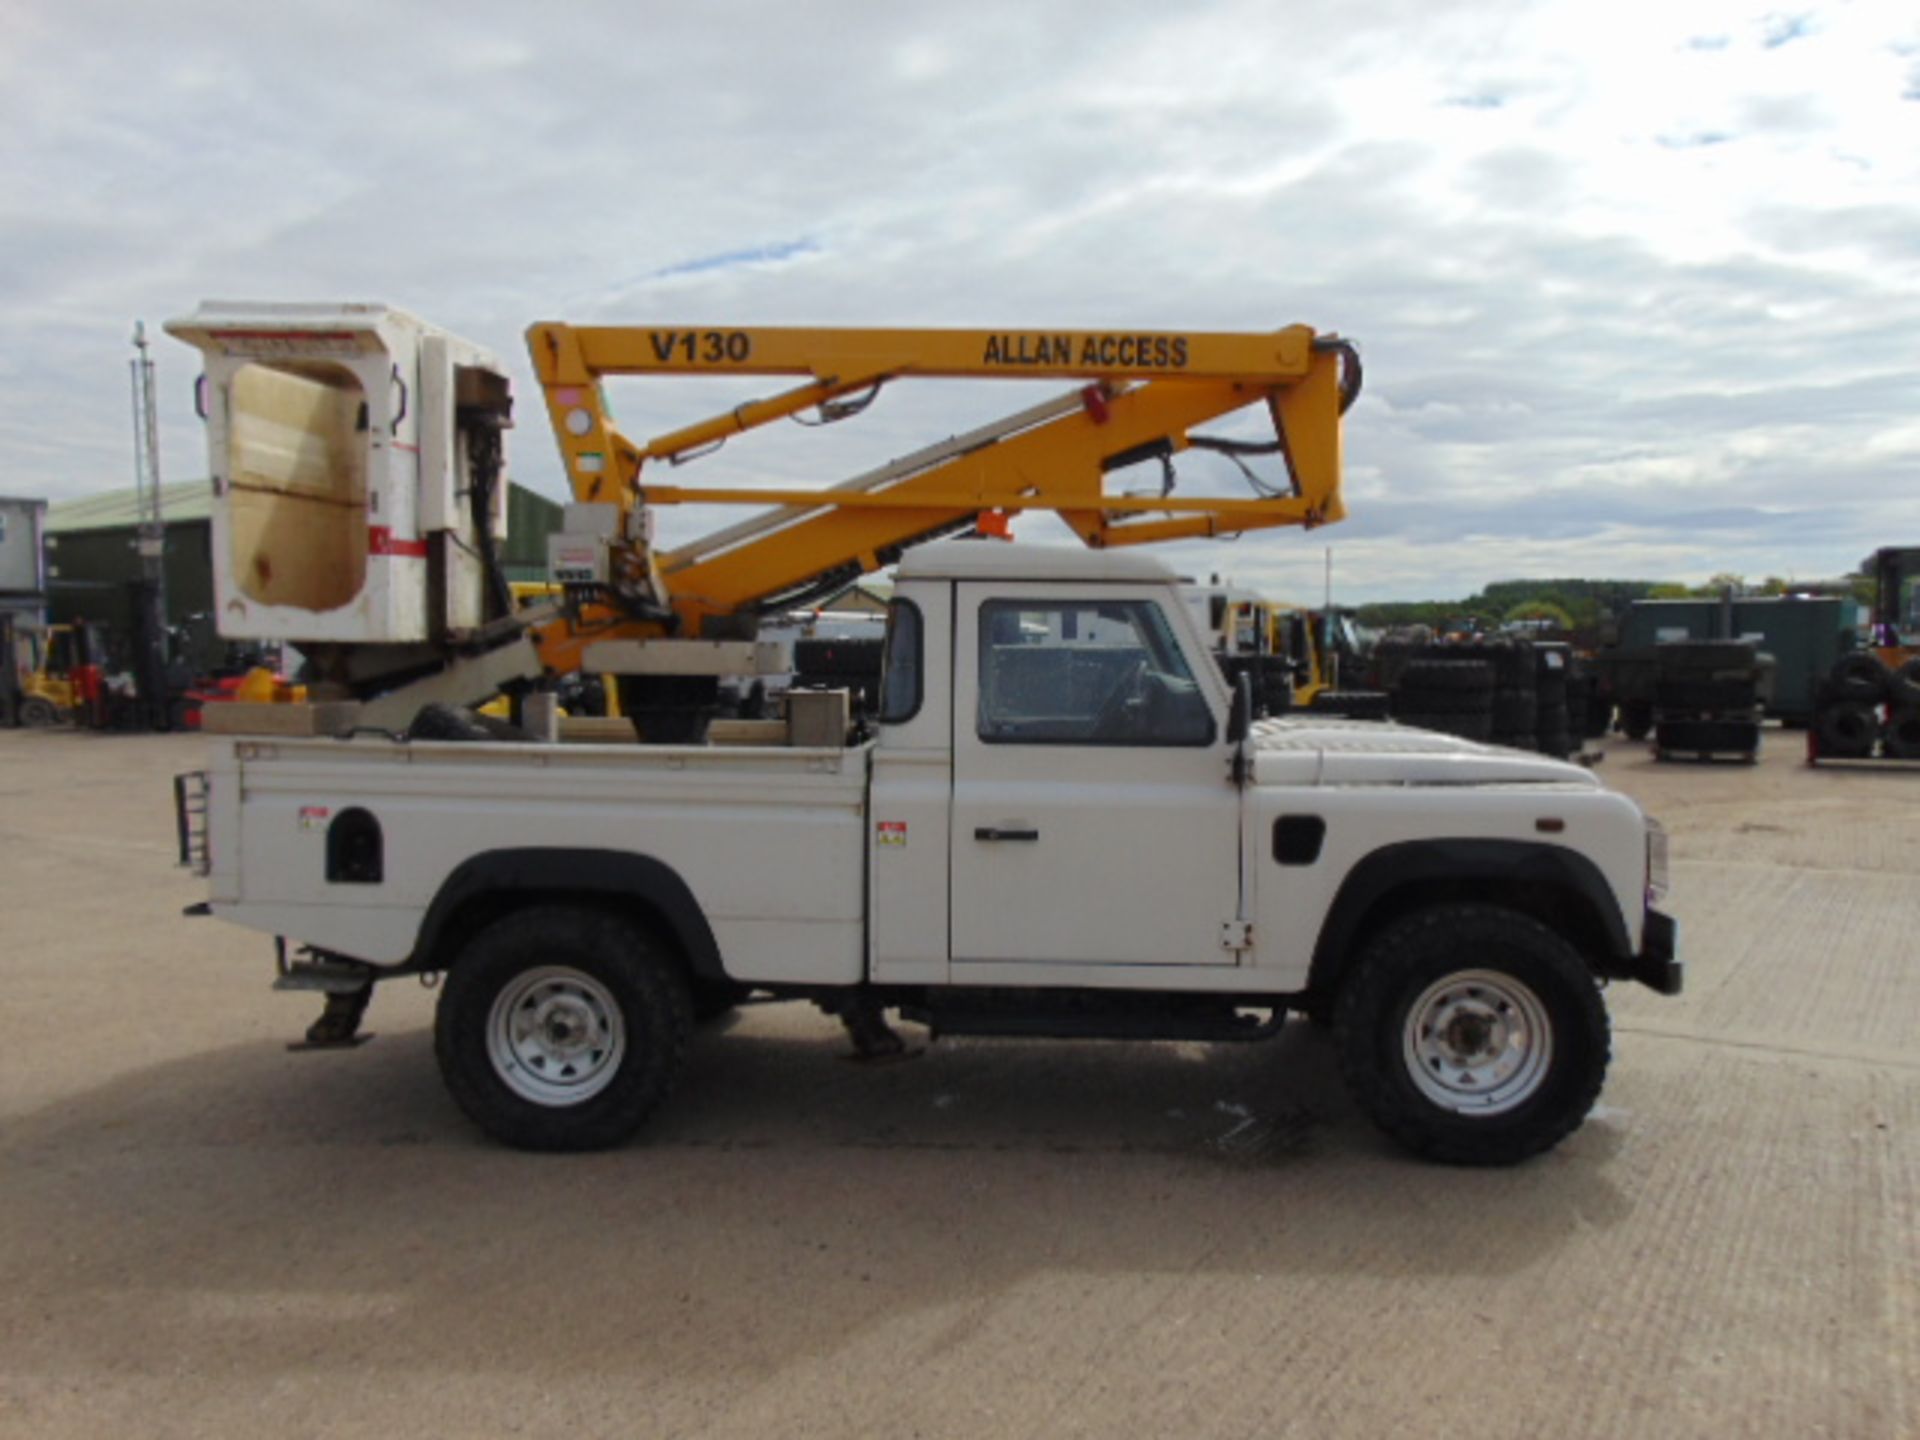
1067 825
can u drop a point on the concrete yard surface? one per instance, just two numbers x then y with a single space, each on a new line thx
203 1234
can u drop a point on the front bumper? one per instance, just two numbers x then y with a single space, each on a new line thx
1658 966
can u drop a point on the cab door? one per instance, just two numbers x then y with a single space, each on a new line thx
1095 820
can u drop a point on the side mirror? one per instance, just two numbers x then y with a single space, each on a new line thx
1240 717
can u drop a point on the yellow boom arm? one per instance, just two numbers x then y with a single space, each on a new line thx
1143 392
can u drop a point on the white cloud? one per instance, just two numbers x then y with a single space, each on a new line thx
1636 283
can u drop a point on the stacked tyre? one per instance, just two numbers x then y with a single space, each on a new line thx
1863 704
1846 723
1900 736
1271 677
1706 699
1350 704
1451 696
1511 665
1516 694
1589 712
1273 684
1552 664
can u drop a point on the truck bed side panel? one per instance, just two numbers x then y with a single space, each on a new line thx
771 842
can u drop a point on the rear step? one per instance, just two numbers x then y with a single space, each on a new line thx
329 977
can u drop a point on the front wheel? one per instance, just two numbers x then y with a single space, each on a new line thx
1473 1034
562 1028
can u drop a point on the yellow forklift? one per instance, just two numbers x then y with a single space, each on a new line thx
61 671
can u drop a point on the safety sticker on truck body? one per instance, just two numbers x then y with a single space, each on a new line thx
890 832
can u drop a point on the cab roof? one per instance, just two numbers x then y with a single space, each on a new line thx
1015 560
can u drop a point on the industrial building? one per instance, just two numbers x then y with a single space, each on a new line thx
91 554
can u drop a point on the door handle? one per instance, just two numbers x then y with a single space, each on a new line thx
987 832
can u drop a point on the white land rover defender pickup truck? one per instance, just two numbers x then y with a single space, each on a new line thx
1065 826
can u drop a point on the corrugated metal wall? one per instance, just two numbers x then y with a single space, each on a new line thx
89 571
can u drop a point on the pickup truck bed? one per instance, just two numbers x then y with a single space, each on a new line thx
769 841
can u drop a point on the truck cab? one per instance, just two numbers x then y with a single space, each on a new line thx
1052 725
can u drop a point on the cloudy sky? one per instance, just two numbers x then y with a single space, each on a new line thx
1638 286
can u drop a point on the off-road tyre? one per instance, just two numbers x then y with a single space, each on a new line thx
1351 704
1522 962
1442 702
1704 694
1597 719
1901 738
1473 676
1553 731
1846 731
1466 727
1904 688
1859 678
1514 710
1276 696
1512 661
1556 744
457 722
611 957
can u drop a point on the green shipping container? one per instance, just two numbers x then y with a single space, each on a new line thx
1803 634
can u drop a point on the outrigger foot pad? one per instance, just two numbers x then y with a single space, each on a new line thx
874 1041
338 1027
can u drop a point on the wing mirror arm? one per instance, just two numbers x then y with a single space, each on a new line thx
1240 725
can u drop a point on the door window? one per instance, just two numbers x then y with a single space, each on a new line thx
1086 673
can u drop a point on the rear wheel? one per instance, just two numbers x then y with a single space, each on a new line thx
562 1028
38 714
1473 1034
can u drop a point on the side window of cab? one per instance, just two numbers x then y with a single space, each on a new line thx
902 678
1086 672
